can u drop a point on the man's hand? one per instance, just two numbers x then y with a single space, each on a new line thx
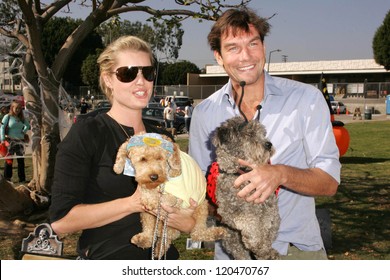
263 181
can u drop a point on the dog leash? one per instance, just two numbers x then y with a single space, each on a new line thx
164 235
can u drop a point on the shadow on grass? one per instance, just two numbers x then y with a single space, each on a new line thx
360 213
362 160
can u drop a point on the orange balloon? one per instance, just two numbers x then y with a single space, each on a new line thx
342 139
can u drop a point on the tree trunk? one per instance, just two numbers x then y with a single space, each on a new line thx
21 200
45 132
40 94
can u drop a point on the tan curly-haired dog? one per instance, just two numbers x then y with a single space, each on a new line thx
160 167
251 228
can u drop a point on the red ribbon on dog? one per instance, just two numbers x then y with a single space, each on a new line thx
212 177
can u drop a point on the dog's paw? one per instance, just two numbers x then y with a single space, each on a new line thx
219 232
161 249
171 200
141 240
208 234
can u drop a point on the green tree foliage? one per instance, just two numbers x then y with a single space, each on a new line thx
90 71
168 39
113 29
381 43
165 38
176 73
55 33
9 11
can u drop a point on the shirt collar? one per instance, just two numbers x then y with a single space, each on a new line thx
270 87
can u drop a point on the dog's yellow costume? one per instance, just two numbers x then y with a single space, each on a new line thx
190 184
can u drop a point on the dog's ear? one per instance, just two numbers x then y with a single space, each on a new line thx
120 158
165 137
174 162
222 136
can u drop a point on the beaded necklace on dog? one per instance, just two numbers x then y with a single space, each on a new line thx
164 234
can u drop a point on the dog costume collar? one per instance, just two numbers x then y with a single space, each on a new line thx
212 177
150 139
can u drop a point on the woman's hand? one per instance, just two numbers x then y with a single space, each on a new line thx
135 202
179 218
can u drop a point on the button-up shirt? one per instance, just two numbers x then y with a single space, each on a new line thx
297 120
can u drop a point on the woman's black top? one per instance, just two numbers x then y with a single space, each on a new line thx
84 175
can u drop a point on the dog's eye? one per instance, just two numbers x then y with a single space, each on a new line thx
143 159
159 158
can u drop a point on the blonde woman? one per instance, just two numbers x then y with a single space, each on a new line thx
13 130
87 195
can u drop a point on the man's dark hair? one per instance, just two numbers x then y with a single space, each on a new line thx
236 20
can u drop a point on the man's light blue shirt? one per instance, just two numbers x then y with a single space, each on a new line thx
297 120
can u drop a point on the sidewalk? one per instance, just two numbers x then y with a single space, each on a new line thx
349 118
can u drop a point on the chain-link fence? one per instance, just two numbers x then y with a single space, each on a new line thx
198 92
345 90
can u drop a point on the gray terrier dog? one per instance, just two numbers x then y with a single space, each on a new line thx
251 228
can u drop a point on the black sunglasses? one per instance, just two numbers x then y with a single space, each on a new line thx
127 74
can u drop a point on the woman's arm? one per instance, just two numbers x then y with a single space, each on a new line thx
4 122
86 216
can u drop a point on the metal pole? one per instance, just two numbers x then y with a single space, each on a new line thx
269 57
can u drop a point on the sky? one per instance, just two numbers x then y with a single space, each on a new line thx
304 30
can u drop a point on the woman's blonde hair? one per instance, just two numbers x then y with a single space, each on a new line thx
108 57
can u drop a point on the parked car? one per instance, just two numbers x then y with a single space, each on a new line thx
153 104
91 114
157 114
338 107
157 98
180 101
103 104
153 116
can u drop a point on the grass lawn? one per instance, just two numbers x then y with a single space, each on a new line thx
360 211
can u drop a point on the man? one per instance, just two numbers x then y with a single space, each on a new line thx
296 116
169 115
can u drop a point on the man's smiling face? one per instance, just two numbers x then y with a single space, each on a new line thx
242 55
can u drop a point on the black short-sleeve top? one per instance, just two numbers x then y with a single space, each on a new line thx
84 175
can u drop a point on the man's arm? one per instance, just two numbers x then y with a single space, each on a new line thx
264 180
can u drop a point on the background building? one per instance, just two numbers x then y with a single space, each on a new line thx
357 82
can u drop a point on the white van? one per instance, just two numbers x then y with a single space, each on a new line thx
180 101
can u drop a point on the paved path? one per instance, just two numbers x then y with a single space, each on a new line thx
349 118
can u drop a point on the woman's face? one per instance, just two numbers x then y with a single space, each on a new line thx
134 94
16 108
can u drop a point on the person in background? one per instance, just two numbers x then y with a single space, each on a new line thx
297 119
87 195
13 130
173 104
169 115
188 114
84 106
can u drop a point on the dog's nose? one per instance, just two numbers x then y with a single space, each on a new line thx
153 177
268 146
